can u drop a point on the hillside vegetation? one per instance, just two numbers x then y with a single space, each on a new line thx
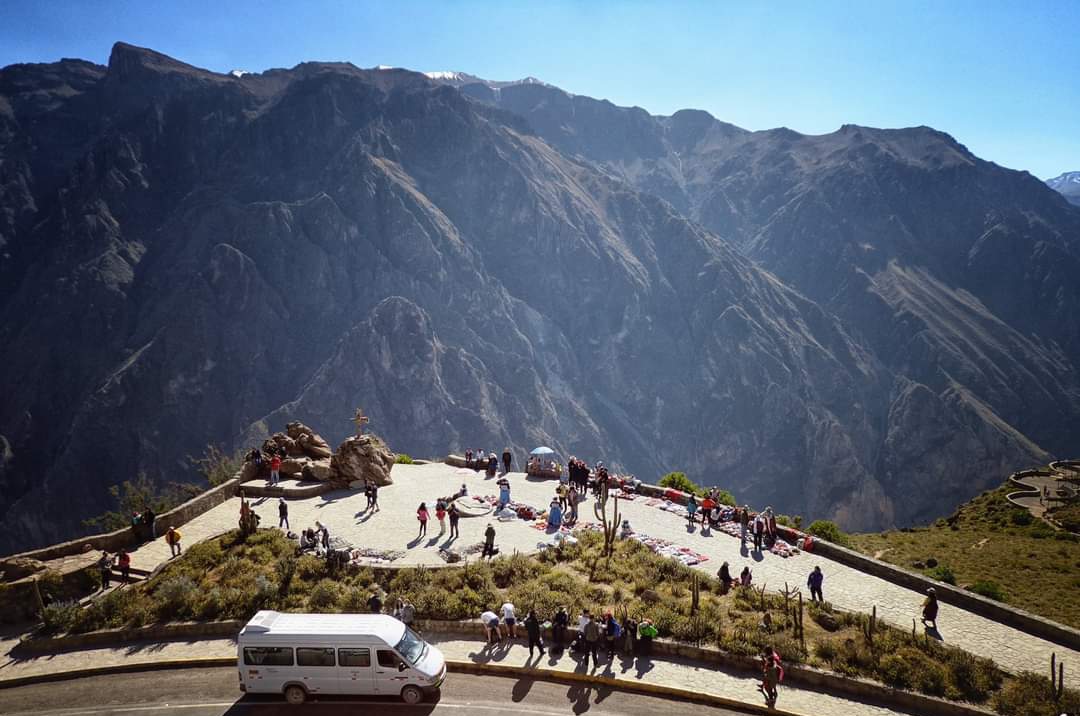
995 548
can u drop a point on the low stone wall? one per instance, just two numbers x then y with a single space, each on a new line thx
111 541
289 493
111 637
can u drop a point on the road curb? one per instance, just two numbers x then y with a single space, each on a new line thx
460 667
469 667
160 665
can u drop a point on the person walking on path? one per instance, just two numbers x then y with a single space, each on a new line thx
532 629
771 674
172 538
930 609
374 497
367 494
592 641
275 466
691 510
510 619
123 560
454 517
374 604
759 532
572 499
422 517
558 627
489 542
440 515
814 583
105 568
283 513
744 522
508 458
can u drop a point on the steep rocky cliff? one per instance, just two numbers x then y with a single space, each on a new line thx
191 257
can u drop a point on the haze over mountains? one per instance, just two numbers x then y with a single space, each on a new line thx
870 325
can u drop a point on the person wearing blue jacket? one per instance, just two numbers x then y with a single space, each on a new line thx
814 582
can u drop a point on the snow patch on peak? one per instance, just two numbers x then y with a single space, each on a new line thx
383 67
443 75
239 73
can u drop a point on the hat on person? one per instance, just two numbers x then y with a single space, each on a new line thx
931 590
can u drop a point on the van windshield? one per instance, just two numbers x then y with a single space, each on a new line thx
411 647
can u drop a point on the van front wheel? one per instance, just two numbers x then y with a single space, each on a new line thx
412 695
295 695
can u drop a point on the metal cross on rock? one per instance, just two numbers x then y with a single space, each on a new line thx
360 420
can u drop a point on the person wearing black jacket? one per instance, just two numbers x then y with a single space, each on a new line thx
532 628
507 458
558 627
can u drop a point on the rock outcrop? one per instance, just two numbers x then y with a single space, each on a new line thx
362 457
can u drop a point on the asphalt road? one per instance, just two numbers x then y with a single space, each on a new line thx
215 692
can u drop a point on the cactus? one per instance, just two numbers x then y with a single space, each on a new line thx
1057 681
870 626
797 614
695 593
610 529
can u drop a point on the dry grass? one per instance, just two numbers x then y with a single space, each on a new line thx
991 540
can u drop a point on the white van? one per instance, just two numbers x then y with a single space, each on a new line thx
302 654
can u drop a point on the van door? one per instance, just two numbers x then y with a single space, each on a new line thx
389 677
355 674
316 669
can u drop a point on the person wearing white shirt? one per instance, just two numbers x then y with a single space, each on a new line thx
510 618
491 626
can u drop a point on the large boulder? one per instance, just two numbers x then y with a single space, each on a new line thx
19 567
317 470
293 466
281 439
362 457
307 440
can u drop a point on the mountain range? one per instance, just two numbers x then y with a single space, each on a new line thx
870 325
1068 185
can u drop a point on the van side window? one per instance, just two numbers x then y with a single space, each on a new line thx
354 657
268 656
388 658
314 657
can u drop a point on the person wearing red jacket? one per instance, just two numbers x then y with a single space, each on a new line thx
275 465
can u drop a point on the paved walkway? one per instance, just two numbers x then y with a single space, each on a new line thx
1035 503
677 673
395 527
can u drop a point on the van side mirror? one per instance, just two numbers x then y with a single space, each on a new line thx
401 666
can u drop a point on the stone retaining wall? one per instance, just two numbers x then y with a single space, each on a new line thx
111 541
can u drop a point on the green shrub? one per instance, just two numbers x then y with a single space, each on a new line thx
173 598
58 617
1022 518
942 573
788 521
679 481
972 677
828 531
1030 694
989 589
726 498
324 595
403 459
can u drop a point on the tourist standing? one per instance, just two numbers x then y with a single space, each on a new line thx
561 492
691 510
454 517
148 519
592 641
532 629
275 466
646 633
489 542
374 496
504 493
814 583
172 538
507 458
745 577
510 619
105 569
440 515
283 513
367 494
558 627
572 499
759 532
707 505
422 517
123 560
374 604
744 523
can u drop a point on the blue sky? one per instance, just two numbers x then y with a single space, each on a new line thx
1002 77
